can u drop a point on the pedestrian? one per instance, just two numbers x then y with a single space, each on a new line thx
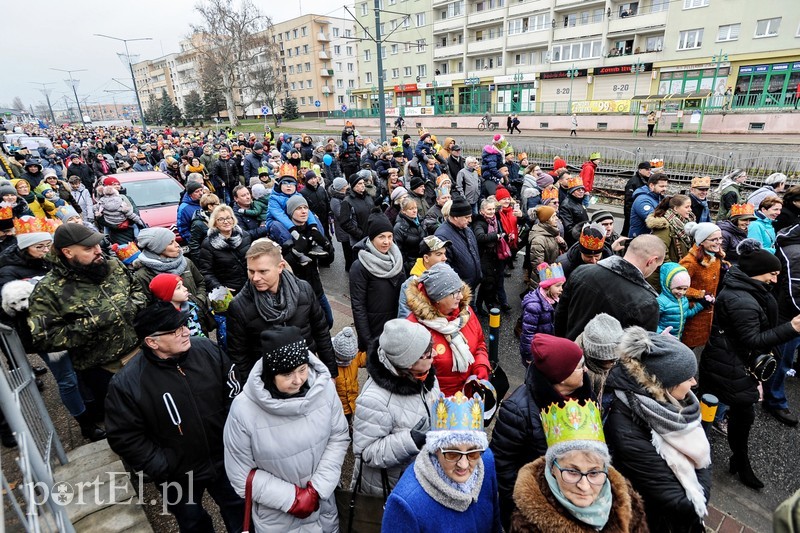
288 427
354 212
572 212
538 307
699 195
761 228
165 414
338 191
574 129
546 243
638 180
509 123
189 205
494 250
673 305
645 201
774 185
734 230
651 123
590 248
515 125
587 173
349 360
730 192
654 433
468 183
198 229
599 342
221 259
790 213
463 255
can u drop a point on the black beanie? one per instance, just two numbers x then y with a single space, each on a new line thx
284 350
415 182
354 179
754 260
460 207
378 223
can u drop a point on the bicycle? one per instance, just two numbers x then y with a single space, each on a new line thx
482 126
400 127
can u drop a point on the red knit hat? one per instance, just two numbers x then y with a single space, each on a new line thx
110 181
502 193
163 286
554 357
559 163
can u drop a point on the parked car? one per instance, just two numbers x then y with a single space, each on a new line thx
156 195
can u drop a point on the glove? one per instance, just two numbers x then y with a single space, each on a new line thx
306 501
417 434
295 234
705 303
240 211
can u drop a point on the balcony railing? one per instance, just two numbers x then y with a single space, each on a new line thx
326 72
323 37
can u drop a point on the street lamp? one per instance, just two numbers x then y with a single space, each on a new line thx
74 84
717 60
572 73
636 68
46 92
130 67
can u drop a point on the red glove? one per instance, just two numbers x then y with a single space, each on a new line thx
306 501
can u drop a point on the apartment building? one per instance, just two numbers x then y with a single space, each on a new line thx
154 75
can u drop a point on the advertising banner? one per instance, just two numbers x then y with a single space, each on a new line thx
601 106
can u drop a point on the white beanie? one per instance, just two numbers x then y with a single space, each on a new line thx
700 232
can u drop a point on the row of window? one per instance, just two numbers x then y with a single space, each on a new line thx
690 39
394 49
303 32
339 99
422 71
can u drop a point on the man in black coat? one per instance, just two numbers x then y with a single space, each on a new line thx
616 286
639 179
463 254
572 212
78 168
225 175
253 162
165 412
454 162
318 201
356 208
274 296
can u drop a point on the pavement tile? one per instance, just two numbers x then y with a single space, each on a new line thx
729 525
714 518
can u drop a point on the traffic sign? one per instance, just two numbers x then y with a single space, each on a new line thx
317 103
344 109
264 110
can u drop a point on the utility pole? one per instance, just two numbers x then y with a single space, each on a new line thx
74 84
130 68
46 92
379 45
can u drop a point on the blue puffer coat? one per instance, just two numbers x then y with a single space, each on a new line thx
491 161
761 230
538 316
671 311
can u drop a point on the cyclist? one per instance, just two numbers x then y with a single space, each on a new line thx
487 119
399 122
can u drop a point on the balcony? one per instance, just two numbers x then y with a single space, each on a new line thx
324 55
485 45
528 39
441 2
628 59
442 52
561 5
326 90
326 72
449 24
637 23
584 30
526 8
323 37
487 16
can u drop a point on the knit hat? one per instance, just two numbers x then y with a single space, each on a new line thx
558 163
258 190
440 281
339 184
680 276
294 202
460 207
544 180
402 344
754 260
455 421
406 136
700 232
502 193
663 356
644 165
110 180
397 193
599 216
549 275
498 139
258 146
163 286
31 230
155 240
193 186
544 213
345 346
600 338
354 179
310 174
7 188
284 349
416 182
592 239
378 223
555 358
66 212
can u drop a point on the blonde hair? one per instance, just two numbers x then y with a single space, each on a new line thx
406 202
208 198
264 246
446 208
217 212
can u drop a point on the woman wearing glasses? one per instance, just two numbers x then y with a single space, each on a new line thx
574 488
452 486
221 259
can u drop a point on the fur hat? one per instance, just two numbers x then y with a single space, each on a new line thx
600 338
402 344
663 357
700 232
345 346
754 260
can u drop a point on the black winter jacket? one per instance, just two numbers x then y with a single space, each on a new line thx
745 325
487 244
613 286
166 416
198 231
354 214
571 259
407 236
573 215
225 173
634 183
224 267
462 254
17 264
374 300
84 172
518 437
787 292
318 203
245 325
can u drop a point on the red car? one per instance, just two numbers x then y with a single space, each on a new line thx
156 195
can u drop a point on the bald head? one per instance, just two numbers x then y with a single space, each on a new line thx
646 252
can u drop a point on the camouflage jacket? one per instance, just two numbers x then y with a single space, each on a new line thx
94 322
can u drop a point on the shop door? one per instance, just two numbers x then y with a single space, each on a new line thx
775 88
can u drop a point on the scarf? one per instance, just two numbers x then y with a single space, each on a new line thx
442 489
491 223
451 329
705 216
595 515
381 265
162 264
676 228
279 307
218 242
510 225
677 437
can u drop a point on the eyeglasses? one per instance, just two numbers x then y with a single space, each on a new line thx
454 456
459 292
428 352
573 477
174 333
225 219
41 246
718 239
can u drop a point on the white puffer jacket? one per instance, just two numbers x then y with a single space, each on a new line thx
290 442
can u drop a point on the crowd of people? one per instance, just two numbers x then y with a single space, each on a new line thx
205 356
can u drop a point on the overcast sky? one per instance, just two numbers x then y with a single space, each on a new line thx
60 34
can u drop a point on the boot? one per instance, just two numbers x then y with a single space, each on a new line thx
741 465
88 428
6 435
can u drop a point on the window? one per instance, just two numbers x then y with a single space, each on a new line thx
305 49
349 67
691 4
395 73
347 34
338 66
297 50
406 21
539 22
383 52
393 24
308 67
351 84
308 84
302 100
290 52
364 11
294 34
728 32
340 84
287 36
299 68
576 51
302 84
340 99
367 55
768 27
456 9
519 59
337 49
406 47
690 39
394 49
335 32
368 77
655 44
304 31
406 71
291 69
422 70
659 5
420 20
293 85
383 75
515 26
349 51
420 45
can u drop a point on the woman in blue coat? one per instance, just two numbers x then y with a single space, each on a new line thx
761 228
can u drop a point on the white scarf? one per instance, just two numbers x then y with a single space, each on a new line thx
684 451
451 329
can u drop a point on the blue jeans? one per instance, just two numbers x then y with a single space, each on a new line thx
278 233
326 308
67 382
774 393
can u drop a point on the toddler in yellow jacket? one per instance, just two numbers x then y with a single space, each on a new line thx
349 360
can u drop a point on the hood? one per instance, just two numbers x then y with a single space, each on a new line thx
728 226
667 273
630 375
736 279
419 303
318 379
656 223
529 180
491 149
396 384
787 236
187 199
545 229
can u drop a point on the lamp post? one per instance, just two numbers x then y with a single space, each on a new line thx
74 84
717 60
130 67
636 68
572 73
46 92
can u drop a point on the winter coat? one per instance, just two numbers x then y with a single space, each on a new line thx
83 198
761 230
84 172
408 234
276 211
587 175
571 259
700 209
644 203
192 279
732 194
354 214
462 254
454 166
252 217
451 381
93 320
745 325
149 395
518 437
245 325
186 211
613 286
530 195
787 291
349 158
433 219
538 316
423 151
630 441
705 275
347 383
673 312
290 442
574 216
676 248
251 165
731 237
543 246
142 166
487 246
788 217
373 299
225 173
224 266
198 231
16 264
411 508
318 203
336 206
635 183
387 407
469 184
538 511
491 161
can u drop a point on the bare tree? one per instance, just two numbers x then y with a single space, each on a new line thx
18 105
266 83
232 39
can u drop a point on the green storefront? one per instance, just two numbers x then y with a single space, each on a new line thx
474 98
768 85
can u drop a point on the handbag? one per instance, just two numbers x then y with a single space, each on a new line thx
248 500
503 249
368 516
763 366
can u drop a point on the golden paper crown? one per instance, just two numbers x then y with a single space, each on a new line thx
574 181
737 210
50 225
29 224
657 163
6 213
287 170
572 422
549 194
592 242
457 413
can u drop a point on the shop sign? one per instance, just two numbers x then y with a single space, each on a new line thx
419 111
601 106
621 69
407 88
562 74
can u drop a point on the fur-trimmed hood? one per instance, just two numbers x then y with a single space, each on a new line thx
656 223
395 384
422 307
538 510
630 374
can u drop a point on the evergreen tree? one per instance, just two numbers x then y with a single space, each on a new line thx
152 112
290 109
193 104
169 112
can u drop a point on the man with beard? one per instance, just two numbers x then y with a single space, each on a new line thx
85 306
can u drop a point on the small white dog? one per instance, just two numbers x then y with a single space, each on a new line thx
15 296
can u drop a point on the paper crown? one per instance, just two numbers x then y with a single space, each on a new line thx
703 182
549 194
485 390
28 224
287 170
594 155
6 213
657 163
51 224
737 210
572 422
457 413
592 242
550 274
574 182
127 253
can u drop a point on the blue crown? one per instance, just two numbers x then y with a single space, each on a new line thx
553 271
457 413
